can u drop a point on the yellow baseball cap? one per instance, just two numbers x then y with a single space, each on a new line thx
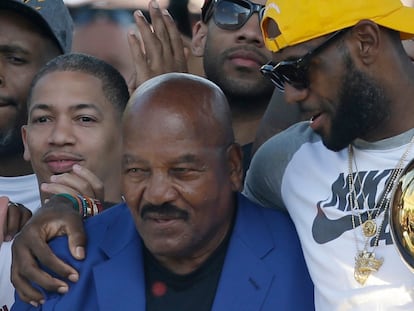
289 22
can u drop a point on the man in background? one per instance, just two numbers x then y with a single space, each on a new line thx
229 40
31 33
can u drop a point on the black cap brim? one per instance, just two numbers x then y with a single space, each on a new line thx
32 15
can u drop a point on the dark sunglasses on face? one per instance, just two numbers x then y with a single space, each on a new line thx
232 14
295 72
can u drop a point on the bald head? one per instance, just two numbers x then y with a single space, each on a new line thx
182 100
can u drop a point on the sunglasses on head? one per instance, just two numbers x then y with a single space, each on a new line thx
295 72
231 14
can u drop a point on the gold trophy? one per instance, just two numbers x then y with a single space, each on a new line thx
402 215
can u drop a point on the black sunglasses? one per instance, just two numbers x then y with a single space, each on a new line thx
231 14
295 72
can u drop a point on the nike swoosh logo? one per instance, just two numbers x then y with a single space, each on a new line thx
325 230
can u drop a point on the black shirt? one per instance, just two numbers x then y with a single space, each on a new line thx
167 291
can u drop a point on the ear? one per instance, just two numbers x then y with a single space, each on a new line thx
367 35
234 158
198 41
26 154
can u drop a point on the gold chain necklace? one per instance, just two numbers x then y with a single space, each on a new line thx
369 227
365 261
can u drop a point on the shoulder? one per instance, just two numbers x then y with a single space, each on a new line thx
275 221
101 230
270 235
264 177
96 229
286 142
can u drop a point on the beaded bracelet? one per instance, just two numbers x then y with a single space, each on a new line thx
85 205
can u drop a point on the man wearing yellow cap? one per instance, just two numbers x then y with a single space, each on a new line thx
343 62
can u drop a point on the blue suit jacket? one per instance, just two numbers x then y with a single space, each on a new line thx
264 267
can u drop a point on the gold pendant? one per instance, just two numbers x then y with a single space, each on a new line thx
369 228
365 263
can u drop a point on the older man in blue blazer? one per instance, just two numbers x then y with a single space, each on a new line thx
184 239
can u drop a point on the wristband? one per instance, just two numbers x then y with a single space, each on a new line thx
88 206
83 208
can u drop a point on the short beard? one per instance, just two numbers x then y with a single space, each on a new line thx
244 94
362 106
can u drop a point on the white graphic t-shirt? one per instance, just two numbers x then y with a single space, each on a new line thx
295 171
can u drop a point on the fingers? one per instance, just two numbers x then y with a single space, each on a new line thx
161 33
30 247
28 293
23 287
58 217
77 241
158 48
48 259
165 29
137 48
177 44
17 216
25 270
79 181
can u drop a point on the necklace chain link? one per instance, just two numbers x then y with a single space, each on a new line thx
365 261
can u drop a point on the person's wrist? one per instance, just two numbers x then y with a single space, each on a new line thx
59 201
68 199
83 205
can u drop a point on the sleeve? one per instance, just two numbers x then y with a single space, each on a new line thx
264 178
262 183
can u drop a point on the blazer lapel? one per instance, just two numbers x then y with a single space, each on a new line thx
244 283
245 279
120 281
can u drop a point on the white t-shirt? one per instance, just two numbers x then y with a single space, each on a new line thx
24 190
295 171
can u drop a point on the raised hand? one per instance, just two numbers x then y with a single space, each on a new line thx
156 48
79 181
